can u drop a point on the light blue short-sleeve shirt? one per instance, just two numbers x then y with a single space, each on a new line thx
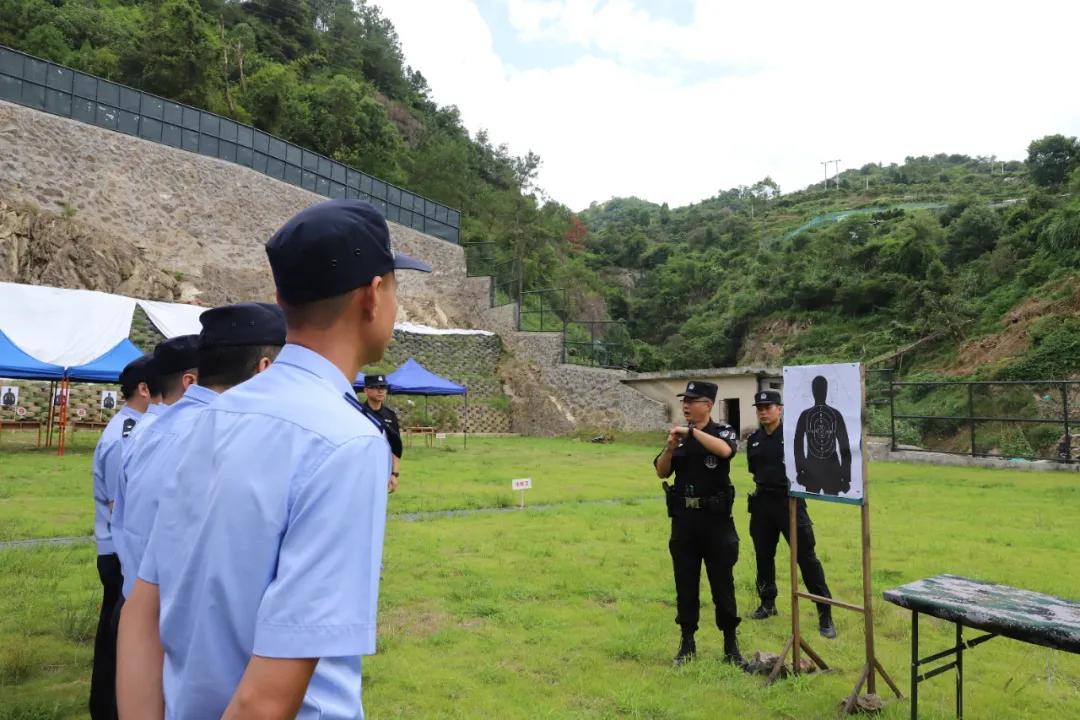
106 468
268 541
150 461
153 412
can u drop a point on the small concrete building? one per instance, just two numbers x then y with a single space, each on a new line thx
736 387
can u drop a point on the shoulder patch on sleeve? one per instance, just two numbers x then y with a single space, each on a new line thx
129 425
366 412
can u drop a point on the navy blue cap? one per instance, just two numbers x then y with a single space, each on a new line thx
698 389
331 248
768 397
176 354
246 323
137 371
375 381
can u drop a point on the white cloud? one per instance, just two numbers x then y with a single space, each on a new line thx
790 84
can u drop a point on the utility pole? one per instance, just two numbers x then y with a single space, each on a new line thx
836 178
826 164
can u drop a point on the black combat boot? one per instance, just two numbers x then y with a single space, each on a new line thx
732 656
765 610
825 623
687 650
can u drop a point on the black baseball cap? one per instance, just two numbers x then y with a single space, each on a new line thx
331 248
176 354
375 381
768 397
699 389
246 323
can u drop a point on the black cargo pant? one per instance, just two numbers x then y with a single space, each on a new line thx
103 674
768 521
701 536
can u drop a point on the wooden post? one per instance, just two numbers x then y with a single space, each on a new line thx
868 591
793 545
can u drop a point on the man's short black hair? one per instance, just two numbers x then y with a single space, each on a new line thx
153 384
171 384
232 365
127 391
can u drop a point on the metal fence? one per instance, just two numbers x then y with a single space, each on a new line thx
878 392
601 343
60 90
542 310
506 282
1035 420
480 260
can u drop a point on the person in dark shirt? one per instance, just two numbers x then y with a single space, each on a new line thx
702 528
375 388
769 514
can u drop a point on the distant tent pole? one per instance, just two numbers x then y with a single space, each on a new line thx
49 417
63 415
466 418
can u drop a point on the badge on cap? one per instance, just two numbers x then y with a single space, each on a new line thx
762 397
690 386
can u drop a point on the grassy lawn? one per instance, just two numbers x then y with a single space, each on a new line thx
568 612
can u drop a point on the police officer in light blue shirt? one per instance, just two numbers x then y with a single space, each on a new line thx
134 381
237 342
258 590
173 367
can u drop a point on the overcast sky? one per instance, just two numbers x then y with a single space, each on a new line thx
674 100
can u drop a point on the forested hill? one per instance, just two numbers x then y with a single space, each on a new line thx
943 249
939 247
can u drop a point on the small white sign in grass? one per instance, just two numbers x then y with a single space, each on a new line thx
521 484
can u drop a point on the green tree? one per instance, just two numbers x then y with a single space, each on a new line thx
975 232
179 56
1052 158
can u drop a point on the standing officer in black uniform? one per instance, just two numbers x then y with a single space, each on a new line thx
702 528
375 387
769 514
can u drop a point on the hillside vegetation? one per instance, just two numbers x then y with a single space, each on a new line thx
972 264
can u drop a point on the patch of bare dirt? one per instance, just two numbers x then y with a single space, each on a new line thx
1014 339
765 343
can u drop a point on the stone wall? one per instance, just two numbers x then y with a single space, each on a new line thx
469 360
173 225
551 398
200 220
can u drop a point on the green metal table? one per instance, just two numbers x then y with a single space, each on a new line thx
999 610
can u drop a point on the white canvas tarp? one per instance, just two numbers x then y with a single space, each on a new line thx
63 327
173 319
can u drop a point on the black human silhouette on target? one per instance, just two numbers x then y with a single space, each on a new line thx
9 398
822 451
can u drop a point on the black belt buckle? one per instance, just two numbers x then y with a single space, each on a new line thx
693 503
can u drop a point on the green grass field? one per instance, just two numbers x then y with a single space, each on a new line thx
567 610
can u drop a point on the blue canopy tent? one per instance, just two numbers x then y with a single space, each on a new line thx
412 378
14 363
106 368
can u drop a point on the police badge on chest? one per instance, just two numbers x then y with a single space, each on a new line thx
711 461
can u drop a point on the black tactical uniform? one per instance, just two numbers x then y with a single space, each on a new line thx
703 530
390 422
769 520
393 428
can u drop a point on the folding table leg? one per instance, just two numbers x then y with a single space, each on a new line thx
914 665
959 672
